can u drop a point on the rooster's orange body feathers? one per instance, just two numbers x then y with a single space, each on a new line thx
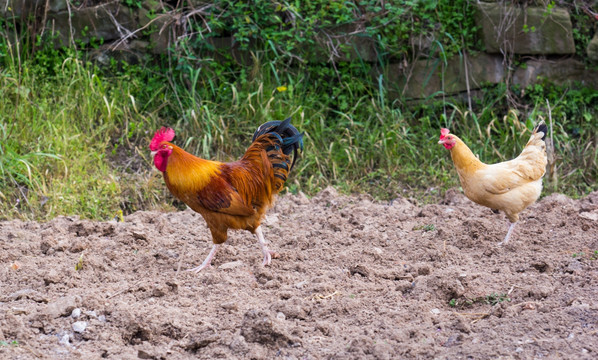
231 195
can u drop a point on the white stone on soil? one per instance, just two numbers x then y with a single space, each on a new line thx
79 326
76 313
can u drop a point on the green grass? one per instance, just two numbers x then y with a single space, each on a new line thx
56 133
73 138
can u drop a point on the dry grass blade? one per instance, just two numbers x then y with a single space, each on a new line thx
321 297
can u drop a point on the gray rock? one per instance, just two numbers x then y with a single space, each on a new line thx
19 8
346 42
530 30
105 22
428 77
161 39
58 5
592 49
567 72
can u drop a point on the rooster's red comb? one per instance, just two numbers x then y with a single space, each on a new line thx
164 134
443 132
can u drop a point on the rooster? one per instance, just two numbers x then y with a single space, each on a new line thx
510 186
232 195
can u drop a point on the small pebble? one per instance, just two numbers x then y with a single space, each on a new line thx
229 306
300 285
79 326
102 318
435 311
64 340
231 265
281 316
76 313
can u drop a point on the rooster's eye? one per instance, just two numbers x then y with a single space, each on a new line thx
164 146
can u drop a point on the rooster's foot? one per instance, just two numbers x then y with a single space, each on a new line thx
208 261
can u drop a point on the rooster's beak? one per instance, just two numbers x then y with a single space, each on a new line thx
153 153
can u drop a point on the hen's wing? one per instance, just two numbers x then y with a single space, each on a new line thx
503 177
529 166
220 196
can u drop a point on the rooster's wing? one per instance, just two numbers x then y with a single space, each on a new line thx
220 196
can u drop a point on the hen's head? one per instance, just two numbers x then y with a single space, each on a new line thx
446 139
160 147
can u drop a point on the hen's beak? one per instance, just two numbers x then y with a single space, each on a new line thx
441 141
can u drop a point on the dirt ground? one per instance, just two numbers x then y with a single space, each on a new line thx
356 279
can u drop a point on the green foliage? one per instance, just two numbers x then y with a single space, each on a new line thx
583 23
135 4
73 137
496 298
59 117
426 228
574 128
490 299
292 31
13 343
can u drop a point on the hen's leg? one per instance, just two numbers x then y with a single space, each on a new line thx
262 242
506 240
208 261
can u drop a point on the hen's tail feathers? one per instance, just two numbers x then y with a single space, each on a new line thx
541 127
538 136
290 138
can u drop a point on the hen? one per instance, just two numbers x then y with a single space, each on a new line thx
510 186
231 195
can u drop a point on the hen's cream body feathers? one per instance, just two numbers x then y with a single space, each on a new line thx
509 186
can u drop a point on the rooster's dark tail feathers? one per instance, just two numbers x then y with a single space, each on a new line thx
290 138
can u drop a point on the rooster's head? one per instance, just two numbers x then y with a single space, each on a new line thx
161 148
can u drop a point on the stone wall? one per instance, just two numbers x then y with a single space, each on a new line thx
544 37
542 40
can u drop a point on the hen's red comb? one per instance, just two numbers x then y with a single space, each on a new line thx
443 132
164 134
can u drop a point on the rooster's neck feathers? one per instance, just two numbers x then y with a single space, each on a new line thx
188 172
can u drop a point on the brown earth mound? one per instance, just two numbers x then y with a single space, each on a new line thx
355 279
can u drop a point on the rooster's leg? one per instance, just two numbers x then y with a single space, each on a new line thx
267 253
506 240
208 261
